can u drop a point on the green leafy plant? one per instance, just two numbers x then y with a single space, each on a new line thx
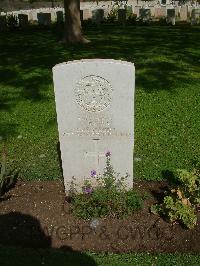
3 172
113 15
181 202
108 198
162 21
131 18
6 179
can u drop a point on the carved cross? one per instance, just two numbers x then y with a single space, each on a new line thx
96 154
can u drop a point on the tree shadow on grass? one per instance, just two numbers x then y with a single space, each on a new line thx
8 130
24 85
164 58
162 61
170 177
39 51
24 242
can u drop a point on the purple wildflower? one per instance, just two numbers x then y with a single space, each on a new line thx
87 190
108 153
93 173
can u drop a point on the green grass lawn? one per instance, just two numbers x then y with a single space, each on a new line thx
32 257
167 121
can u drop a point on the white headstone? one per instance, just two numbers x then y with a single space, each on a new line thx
195 16
95 114
32 15
160 12
87 14
184 13
53 15
137 10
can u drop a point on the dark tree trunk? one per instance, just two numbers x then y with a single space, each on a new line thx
72 30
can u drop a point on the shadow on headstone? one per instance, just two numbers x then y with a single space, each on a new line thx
44 19
171 19
19 231
23 20
97 16
145 14
60 16
122 16
3 23
59 157
81 15
195 17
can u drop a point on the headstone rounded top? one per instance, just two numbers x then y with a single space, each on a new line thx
108 61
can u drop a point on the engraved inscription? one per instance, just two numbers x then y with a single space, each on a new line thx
94 121
93 93
96 124
102 132
96 154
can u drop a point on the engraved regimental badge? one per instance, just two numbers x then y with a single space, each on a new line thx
93 93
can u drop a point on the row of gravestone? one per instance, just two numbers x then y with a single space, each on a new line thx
145 14
172 15
98 15
22 20
156 10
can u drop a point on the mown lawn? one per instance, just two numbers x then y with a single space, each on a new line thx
167 121
32 257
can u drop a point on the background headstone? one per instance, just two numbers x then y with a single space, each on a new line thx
23 20
152 10
60 16
195 16
163 11
81 15
53 15
33 15
137 10
44 19
129 9
87 14
183 13
95 114
159 12
3 23
171 18
177 11
97 16
47 19
145 14
122 16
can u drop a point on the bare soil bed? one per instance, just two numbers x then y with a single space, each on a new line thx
36 214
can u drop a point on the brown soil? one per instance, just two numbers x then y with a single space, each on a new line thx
35 214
